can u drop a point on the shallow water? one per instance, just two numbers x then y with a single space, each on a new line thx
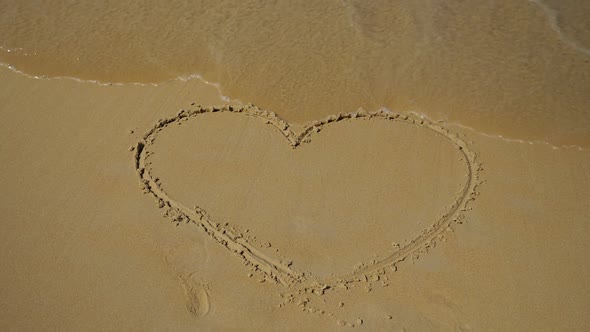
520 69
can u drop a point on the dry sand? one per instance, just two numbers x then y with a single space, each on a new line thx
85 245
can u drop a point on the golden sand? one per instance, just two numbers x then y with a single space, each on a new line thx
171 207
519 69
84 248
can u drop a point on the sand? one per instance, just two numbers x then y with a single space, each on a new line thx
247 188
85 248
367 166
518 69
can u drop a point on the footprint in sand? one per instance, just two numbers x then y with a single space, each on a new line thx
197 296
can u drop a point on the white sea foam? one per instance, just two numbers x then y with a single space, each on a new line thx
494 136
185 78
227 99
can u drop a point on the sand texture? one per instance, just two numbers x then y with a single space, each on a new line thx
334 165
131 207
518 69
346 216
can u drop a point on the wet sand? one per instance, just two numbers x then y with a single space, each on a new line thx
366 187
85 248
519 69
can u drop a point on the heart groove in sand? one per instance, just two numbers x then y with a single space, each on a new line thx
244 245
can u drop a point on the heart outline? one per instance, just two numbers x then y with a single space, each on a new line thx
274 268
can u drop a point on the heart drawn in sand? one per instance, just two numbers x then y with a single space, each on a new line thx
258 255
